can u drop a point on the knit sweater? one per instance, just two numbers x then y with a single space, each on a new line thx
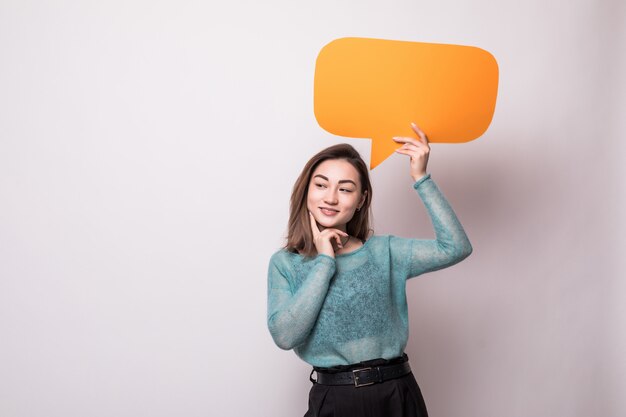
352 308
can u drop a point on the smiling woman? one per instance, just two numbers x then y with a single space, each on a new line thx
331 199
337 295
333 191
334 195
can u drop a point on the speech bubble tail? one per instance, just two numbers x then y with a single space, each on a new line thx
382 148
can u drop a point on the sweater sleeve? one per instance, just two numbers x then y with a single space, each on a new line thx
450 245
291 314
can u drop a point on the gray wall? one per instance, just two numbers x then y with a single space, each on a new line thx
147 151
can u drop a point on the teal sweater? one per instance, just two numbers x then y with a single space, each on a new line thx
353 308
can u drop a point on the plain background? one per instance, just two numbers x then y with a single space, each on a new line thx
147 154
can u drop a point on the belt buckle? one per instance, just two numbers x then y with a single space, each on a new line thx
356 377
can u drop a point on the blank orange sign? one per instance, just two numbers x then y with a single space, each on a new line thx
374 88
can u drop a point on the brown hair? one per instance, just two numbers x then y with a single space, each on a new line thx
299 235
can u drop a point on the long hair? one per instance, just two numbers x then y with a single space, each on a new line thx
299 235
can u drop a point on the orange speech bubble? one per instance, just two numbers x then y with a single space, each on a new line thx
373 88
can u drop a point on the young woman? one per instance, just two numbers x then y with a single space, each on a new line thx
337 296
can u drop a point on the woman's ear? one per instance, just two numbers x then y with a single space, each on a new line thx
362 199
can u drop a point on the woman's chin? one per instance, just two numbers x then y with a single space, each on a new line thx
326 223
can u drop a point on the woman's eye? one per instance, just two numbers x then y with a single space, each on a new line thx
345 190
320 185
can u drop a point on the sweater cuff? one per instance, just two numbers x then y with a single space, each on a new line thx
326 262
421 180
323 255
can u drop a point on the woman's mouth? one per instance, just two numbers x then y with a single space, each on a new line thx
328 212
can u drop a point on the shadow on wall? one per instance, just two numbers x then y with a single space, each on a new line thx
479 327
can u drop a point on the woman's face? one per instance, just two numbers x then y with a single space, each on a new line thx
334 193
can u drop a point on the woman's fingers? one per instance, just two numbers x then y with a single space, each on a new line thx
333 232
413 147
336 234
314 229
417 149
420 133
410 149
422 139
326 234
412 141
412 154
404 151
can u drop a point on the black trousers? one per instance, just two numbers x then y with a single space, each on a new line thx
400 397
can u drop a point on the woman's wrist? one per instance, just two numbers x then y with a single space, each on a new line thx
420 180
419 176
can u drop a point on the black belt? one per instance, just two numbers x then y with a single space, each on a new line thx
363 376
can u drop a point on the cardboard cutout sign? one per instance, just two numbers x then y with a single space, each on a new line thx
374 88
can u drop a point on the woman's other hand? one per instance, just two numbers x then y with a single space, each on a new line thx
323 239
417 149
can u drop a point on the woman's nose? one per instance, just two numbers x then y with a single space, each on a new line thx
331 197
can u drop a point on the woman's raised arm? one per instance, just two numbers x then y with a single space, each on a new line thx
451 244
